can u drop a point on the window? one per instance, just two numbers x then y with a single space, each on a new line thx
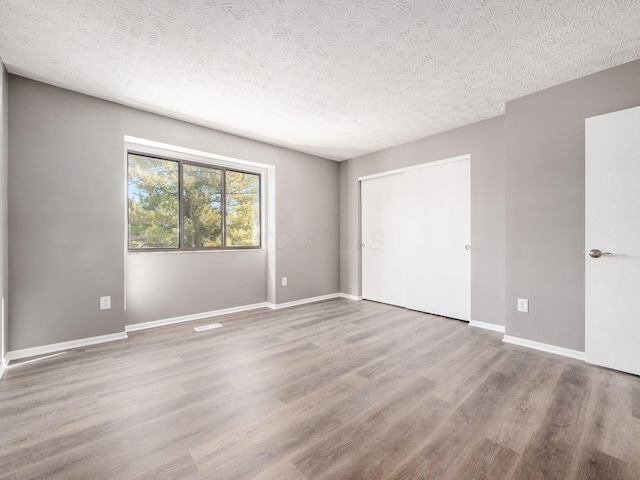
202 204
242 193
180 205
153 203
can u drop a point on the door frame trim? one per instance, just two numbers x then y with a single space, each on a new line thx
459 158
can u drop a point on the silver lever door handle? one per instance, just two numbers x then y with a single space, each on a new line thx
595 253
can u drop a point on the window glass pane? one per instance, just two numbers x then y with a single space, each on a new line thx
202 202
243 209
153 203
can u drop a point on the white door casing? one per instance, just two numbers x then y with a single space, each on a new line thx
612 282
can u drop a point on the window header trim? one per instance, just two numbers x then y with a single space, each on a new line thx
153 148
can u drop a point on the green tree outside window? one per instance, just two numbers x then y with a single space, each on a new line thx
156 190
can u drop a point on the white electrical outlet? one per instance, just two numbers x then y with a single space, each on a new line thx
284 281
105 303
523 305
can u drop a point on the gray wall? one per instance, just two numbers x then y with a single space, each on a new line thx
4 269
66 222
166 285
484 141
66 203
544 139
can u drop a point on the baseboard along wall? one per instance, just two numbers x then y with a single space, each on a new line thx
303 301
59 347
189 318
85 342
487 326
544 347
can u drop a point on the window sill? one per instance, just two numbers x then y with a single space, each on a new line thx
179 252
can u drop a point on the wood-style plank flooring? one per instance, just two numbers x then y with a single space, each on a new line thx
331 390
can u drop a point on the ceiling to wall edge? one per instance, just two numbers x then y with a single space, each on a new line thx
221 128
158 111
256 138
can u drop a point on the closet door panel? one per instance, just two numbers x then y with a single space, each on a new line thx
383 237
438 239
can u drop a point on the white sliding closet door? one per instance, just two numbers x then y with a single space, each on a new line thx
416 236
383 239
438 264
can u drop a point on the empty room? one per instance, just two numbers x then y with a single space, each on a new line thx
320 240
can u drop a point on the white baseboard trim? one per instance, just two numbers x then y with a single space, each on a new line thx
84 342
486 326
189 318
59 347
565 352
278 306
350 297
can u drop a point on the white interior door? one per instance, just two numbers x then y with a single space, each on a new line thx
438 211
382 201
612 283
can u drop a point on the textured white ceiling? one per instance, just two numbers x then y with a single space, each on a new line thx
335 78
